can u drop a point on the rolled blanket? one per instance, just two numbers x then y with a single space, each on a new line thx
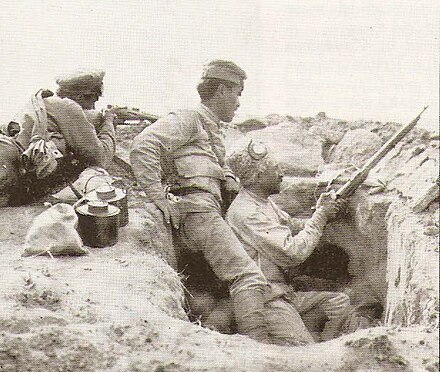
41 154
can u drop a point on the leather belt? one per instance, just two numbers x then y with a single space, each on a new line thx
181 191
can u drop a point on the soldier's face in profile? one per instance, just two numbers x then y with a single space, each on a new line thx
230 97
87 101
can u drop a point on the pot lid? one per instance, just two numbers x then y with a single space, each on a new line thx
108 193
98 208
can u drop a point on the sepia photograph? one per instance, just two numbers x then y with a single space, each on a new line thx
200 185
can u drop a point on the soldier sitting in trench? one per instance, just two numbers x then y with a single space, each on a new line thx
266 233
58 137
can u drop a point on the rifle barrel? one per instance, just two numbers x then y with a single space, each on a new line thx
362 174
393 141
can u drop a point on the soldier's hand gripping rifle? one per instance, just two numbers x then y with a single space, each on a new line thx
361 175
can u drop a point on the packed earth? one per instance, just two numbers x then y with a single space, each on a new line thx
125 307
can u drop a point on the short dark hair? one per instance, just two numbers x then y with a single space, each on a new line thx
207 87
82 99
73 93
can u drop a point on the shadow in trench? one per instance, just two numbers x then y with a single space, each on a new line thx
325 270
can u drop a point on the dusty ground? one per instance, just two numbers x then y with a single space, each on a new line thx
122 308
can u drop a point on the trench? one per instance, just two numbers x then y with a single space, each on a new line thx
383 260
351 256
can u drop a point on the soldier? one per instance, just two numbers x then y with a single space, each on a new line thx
185 151
268 237
59 137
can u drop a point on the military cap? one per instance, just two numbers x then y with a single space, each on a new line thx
82 81
224 70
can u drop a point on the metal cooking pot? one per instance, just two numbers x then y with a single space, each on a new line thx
98 223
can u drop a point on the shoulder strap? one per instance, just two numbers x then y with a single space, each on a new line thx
39 130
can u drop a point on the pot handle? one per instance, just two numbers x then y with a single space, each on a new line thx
94 176
79 202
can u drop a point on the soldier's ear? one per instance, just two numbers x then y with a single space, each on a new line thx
258 177
222 89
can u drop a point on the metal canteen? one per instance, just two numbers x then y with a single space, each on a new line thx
98 223
113 196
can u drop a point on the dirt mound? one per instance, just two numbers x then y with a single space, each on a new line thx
355 148
71 313
297 151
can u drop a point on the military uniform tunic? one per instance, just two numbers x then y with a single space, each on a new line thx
185 150
81 143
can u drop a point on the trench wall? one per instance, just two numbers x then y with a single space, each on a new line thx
363 235
412 269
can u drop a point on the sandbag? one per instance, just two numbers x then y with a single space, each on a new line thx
53 232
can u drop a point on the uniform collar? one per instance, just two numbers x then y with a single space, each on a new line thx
204 110
255 197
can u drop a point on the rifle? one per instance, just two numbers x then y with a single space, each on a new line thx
361 175
125 113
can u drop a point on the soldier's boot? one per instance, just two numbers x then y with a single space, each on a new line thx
221 318
249 314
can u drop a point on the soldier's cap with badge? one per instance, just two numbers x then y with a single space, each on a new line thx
86 82
224 70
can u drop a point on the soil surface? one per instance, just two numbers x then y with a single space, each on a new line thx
121 308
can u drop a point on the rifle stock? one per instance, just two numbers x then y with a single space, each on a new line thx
360 176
